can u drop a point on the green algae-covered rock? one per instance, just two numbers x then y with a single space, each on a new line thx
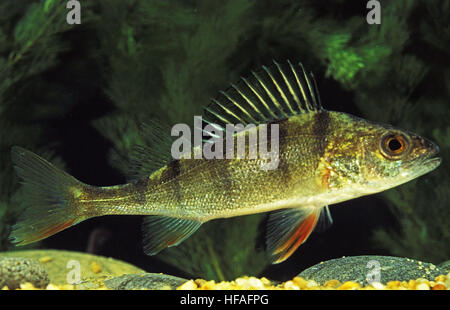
365 269
18 270
61 266
151 281
445 266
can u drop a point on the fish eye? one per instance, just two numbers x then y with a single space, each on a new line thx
394 145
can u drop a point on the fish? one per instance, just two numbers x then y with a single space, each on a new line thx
324 158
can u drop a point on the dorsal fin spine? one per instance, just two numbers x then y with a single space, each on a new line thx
269 93
300 85
230 112
316 92
289 86
276 92
248 101
311 91
214 125
259 97
216 114
208 132
301 108
239 106
312 105
280 91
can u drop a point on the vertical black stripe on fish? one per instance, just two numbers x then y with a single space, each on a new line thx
321 124
139 189
170 174
283 132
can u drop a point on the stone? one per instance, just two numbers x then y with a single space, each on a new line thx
60 265
365 269
445 265
19 270
150 281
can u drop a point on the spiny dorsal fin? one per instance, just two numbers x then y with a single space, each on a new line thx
277 92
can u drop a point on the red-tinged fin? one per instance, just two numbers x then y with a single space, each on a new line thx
50 205
161 232
287 229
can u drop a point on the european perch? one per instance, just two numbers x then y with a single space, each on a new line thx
325 157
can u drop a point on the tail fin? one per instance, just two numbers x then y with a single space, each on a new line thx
49 196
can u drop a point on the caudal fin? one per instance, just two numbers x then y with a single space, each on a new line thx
50 198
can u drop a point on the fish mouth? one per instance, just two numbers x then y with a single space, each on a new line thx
419 168
432 162
427 162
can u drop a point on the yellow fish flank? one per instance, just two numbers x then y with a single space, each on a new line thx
324 158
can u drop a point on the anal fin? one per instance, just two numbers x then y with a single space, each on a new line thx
287 229
161 232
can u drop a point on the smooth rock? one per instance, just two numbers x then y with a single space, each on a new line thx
150 281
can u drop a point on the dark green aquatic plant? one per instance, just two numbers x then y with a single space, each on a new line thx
29 45
196 45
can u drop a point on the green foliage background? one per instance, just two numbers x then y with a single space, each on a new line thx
130 61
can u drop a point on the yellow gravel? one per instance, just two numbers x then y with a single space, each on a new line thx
95 267
441 282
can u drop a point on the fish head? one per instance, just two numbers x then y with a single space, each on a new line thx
364 157
390 157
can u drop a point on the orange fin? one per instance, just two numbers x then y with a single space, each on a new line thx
25 234
287 229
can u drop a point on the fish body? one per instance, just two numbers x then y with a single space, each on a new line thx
323 158
310 173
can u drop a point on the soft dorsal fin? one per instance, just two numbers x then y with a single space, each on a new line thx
153 153
277 92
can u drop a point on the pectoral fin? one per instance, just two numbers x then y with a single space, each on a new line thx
287 229
161 232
